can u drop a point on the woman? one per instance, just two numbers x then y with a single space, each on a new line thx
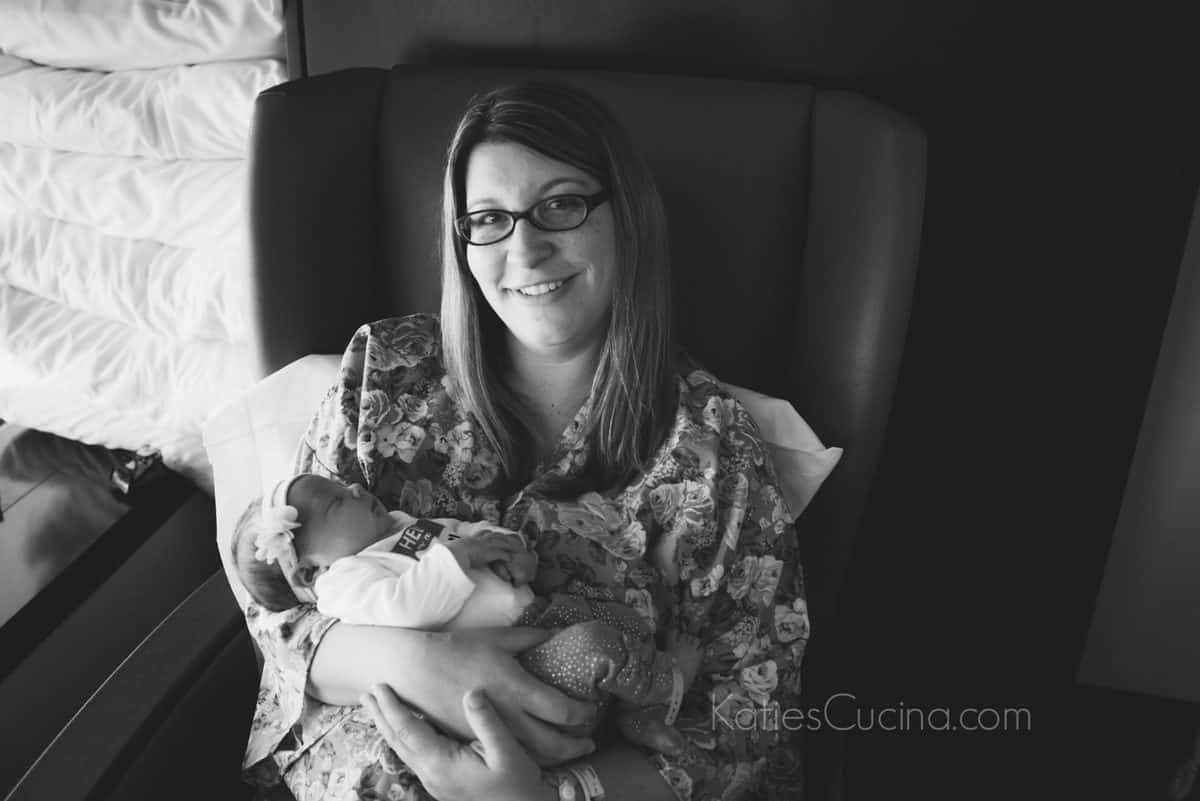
548 397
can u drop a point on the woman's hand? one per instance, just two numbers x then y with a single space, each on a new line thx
492 766
434 670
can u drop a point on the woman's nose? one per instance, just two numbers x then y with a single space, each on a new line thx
527 246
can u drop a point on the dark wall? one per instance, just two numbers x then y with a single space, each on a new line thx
848 40
1064 147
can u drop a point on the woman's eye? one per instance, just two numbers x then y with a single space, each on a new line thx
562 208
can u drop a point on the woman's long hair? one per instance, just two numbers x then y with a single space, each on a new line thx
634 388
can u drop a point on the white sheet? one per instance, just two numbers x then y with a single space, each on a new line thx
123 239
183 203
182 294
96 422
186 112
140 34
11 64
166 379
105 382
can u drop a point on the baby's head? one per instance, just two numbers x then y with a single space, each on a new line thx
285 540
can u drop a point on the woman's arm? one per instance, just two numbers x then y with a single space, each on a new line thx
432 671
742 593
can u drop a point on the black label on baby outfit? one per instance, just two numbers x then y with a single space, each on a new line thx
416 537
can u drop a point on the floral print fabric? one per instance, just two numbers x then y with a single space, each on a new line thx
701 541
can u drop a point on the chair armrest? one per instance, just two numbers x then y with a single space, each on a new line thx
153 692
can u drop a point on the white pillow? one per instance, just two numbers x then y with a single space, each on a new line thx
141 34
200 111
252 441
801 461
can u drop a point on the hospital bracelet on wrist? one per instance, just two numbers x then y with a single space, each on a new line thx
564 782
589 782
678 688
577 783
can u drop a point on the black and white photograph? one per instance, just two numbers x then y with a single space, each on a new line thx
550 400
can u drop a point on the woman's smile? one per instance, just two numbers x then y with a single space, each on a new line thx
544 290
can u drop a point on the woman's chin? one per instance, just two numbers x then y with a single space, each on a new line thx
567 332
556 345
544 334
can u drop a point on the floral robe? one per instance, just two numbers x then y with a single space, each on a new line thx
701 541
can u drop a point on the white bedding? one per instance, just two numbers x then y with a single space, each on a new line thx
124 260
185 203
184 294
182 112
140 34
104 381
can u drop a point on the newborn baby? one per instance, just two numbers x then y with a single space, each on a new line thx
315 540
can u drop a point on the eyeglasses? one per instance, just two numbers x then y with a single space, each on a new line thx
555 213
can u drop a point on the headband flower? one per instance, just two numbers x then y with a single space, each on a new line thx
274 541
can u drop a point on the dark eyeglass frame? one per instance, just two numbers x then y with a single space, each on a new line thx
590 202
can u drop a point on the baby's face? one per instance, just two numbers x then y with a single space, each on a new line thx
336 520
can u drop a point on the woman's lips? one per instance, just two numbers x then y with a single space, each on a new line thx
543 289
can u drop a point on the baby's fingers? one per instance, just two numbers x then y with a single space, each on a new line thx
500 568
497 553
482 528
502 543
522 568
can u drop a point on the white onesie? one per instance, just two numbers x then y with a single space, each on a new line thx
382 585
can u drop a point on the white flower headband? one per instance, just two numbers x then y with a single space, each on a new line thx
273 544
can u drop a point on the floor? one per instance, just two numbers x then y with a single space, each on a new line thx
56 502
86 573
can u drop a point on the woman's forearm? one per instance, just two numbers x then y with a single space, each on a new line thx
628 775
432 671
352 659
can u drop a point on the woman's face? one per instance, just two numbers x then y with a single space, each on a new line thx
572 317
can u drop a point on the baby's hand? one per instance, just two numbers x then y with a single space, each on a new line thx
466 530
519 571
483 549
518 568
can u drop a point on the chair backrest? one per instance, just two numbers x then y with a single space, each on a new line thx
795 219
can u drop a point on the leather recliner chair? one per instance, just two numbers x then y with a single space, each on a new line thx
795 218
